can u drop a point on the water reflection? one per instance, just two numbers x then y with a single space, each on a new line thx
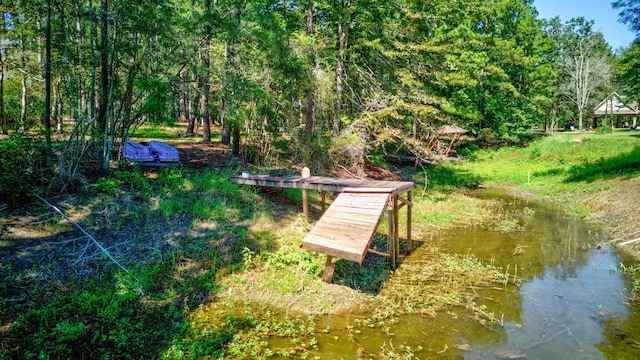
571 302
570 305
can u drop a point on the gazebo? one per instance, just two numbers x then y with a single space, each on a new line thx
614 105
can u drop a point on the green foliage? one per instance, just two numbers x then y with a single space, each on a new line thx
351 147
136 180
633 272
93 321
108 186
22 166
558 164
289 255
157 101
603 130
628 73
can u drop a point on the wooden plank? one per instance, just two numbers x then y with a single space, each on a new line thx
320 183
347 227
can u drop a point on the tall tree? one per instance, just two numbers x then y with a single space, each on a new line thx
629 14
104 80
628 68
3 114
310 117
205 85
588 69
47 76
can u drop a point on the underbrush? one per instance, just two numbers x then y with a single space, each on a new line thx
22 168
175 231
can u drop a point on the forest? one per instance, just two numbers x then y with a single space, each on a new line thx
101 260
286 79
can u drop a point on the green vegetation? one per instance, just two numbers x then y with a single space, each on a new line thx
23 165
556 167
234 244
207 260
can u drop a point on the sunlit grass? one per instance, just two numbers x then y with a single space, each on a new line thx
169 132
560 162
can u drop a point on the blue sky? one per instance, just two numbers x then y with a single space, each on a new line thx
600 11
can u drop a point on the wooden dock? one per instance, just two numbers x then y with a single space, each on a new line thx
346 229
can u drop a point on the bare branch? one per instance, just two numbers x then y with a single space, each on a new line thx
82 231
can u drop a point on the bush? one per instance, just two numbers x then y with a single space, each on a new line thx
604 130
22 163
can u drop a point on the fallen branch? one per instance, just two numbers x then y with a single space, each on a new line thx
629 242
349 172
83 231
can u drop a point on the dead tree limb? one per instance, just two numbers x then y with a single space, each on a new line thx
83 231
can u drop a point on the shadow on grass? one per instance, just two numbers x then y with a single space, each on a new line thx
624 165
176 232
448 178
375 269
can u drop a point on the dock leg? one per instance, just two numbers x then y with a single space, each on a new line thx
305 205
390 241
305 199
396 232
323 197
329 268
409 206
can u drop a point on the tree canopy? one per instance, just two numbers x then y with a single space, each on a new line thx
288 77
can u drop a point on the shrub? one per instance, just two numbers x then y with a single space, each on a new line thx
22 163
603 130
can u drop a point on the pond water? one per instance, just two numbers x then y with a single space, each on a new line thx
570 305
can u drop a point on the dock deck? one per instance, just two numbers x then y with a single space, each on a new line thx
346 229
322 183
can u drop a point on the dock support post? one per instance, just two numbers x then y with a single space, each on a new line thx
329 268
396 227
323 197
305 199
409 206
390 240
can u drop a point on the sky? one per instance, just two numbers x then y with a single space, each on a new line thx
600 11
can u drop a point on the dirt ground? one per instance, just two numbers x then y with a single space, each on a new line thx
618 211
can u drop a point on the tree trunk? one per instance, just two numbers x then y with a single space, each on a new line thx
55 108
47 79
310 114
92 44
104 68
3 115
226 129
339 69
205 81
235 144
104 82
228 124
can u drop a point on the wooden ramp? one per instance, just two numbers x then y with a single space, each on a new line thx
347 227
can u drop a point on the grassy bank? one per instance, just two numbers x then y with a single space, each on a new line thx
193 241
214 269
561 168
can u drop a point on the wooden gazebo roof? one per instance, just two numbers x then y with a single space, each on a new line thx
613 105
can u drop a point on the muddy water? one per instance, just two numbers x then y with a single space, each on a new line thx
570 305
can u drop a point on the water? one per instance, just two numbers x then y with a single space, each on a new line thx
571 303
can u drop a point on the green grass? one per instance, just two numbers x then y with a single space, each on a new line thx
559 163
166 132
249 248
